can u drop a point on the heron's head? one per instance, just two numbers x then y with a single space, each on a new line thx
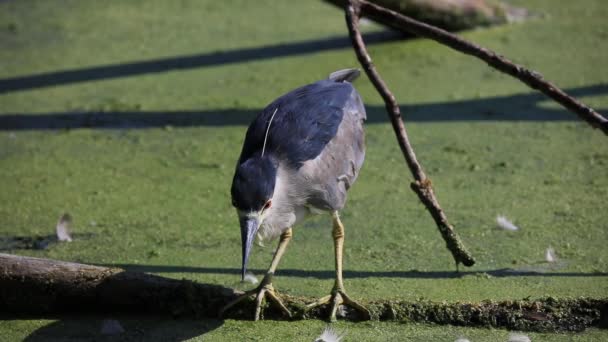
252 190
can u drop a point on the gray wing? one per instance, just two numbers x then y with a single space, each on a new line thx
328 177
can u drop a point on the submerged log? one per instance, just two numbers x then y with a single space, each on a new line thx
34 287
451 15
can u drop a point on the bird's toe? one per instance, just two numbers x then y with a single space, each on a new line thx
335 300
260 293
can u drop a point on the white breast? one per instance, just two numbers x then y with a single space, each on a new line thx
287 209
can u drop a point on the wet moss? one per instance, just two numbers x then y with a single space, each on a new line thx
542 315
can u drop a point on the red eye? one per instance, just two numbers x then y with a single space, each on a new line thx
267 205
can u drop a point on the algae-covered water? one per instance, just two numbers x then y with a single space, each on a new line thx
129 116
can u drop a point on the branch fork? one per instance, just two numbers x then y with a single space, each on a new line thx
421 185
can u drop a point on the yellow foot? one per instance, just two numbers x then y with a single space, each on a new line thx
262 291
337 298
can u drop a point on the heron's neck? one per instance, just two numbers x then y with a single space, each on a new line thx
281 186
285 208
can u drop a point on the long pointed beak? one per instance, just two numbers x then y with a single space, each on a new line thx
249 228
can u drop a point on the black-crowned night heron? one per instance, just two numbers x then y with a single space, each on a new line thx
300 156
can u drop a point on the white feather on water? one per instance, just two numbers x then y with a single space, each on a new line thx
329 335
63 228
505 224
550 255
516 337
250 278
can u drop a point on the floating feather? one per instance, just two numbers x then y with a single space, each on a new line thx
250 278
550 255
63 228
505 224
329 335
516 337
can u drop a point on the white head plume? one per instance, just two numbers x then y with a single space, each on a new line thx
268 130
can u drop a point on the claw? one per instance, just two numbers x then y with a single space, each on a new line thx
278 302
260 293
337 298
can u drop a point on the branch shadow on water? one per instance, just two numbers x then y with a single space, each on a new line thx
218 58
519 107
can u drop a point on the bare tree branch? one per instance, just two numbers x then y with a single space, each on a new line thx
34 287
451 15
532 78
422 184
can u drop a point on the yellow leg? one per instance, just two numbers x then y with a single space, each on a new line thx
338 235
265 288
338 295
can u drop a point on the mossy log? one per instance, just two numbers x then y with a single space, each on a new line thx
33 287
451 15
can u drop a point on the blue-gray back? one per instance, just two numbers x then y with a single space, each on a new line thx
306 119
